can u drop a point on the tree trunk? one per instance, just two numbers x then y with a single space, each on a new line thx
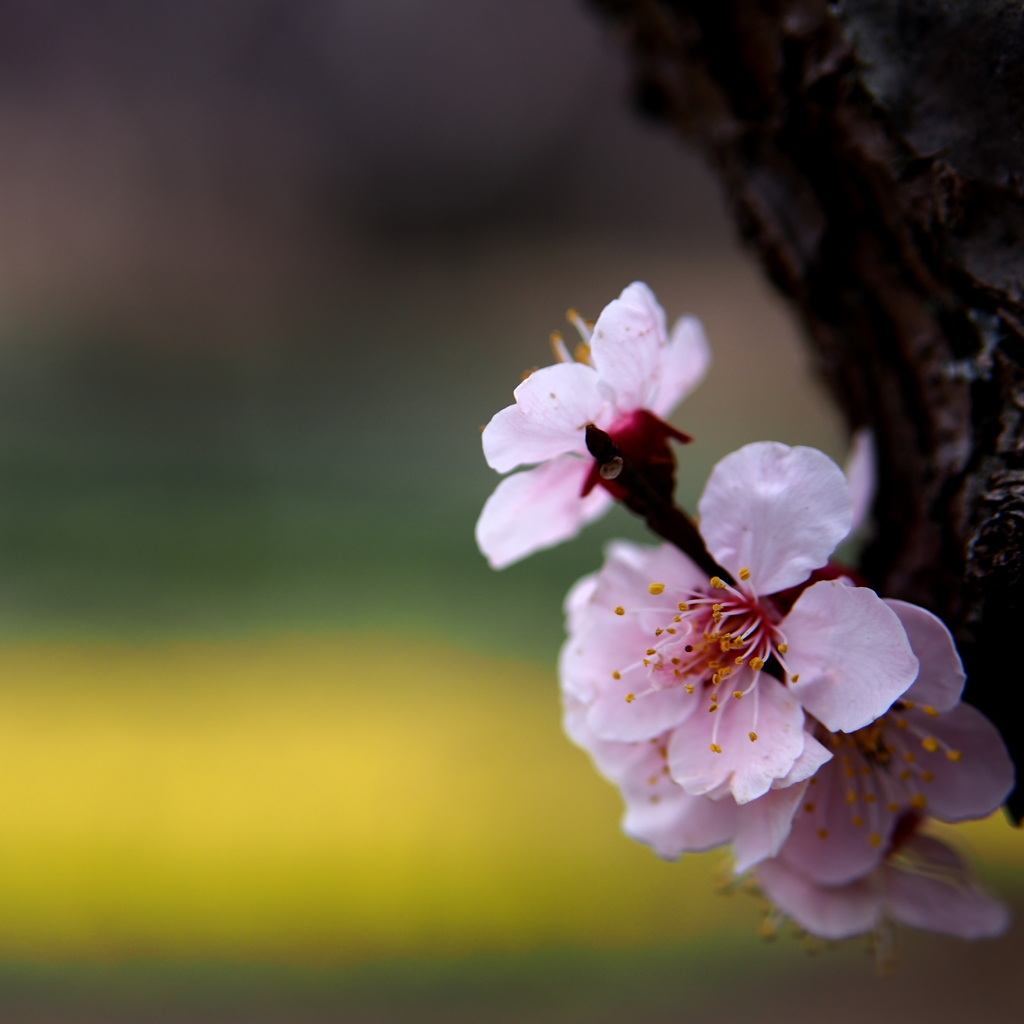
872 152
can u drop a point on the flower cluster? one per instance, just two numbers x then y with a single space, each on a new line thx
777 705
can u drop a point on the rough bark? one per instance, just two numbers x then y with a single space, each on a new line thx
872 151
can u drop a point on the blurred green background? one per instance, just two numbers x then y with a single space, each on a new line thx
276 744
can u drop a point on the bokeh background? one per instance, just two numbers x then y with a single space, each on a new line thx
275 744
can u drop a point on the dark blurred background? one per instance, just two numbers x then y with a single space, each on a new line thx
275 739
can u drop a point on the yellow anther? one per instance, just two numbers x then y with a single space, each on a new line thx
738 694
753 737
858 821
620 610
927 777
653 780
783 648
809 808
757 664
717 607
689 687
851 797
739 660
683 606
901 723
918 801
718 583
715 748
659 631
851 773
616 674
876 839
656 588
714 707
823 833
670 631
647 664
744 573
930 711
630 697
910 756
795 678
954 755
677 661
870 798
582 353
930 743
651 650
893 808
678 618
908 704
906 774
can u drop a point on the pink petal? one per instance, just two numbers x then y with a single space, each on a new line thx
553 406
628 346
762 825
748 766
613 716
672 821
825 844
976 784
683 365
850 652
576 601
862 476
658 812
775 510
836 913
928 886
940 677
537 509
813 757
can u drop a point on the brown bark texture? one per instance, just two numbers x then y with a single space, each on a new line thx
873 154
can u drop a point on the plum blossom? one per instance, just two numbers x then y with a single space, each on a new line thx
929 753
725 671
922 883
627 375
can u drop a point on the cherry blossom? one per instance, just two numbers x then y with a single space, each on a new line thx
726 670
922 883
627 375
928 753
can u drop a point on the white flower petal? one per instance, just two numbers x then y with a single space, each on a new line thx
750 766
627 347
940 678
536 509
862 476
683 365
553 406
937 892
775 510
836 913
850 652
763 825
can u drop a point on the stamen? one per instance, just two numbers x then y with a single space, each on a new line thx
744 574
620 610
718 583
656 588
753 736
558 345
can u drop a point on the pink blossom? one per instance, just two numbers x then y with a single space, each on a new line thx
928 754
628 374
727 671
922 883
